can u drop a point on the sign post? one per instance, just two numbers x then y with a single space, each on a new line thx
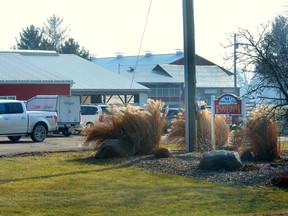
212 120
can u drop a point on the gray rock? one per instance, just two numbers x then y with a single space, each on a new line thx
114 148
220 160
247 155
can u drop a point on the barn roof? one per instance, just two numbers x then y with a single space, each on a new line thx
14 68
166 68
122 64
49 65
206 75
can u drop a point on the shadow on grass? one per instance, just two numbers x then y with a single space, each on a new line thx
120 161
5 181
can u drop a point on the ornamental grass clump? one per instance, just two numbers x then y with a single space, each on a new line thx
177 131
262 134
222 131
238 139
176 134
204 130
138 128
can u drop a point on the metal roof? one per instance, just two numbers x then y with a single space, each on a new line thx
85 74
166 68
122 64
14 68
140 68
206 75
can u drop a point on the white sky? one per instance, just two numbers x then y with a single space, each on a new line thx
105 27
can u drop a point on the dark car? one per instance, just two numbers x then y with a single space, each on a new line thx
172 114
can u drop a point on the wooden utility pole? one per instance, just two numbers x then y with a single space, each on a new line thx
190 76
235 65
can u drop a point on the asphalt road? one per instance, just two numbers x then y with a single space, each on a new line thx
53 143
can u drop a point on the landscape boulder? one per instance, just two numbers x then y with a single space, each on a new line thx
114 148
247 155
220 160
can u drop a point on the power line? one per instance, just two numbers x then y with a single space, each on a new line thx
140 47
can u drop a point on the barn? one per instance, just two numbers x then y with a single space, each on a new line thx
22 79
24 74
163 74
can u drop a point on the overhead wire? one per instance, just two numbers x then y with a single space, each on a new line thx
141 42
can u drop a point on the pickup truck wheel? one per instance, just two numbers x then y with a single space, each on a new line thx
14 138
39 133
89 124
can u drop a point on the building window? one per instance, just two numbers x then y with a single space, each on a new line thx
177 92
8 97
152 92
174 92
211 91
228 90
159 92
165 92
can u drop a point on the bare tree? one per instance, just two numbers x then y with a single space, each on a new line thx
264 58
54 32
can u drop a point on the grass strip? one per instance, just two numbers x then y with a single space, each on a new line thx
69 184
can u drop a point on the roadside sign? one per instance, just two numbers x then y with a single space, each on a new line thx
228 104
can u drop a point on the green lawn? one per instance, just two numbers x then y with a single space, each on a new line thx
284 145
69 184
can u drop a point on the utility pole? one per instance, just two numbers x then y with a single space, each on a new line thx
190 76
235 64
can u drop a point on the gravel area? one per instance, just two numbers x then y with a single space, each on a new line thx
185 164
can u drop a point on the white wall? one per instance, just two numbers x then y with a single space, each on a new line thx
143 99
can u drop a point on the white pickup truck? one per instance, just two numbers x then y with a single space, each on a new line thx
16 121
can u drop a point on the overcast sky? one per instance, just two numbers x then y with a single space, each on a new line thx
105 27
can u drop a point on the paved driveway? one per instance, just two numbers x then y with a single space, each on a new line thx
52 143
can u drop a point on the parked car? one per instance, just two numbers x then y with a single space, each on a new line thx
16 121
172 114
92 114
104 112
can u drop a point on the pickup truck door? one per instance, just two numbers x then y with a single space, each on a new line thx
14 119
18 118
